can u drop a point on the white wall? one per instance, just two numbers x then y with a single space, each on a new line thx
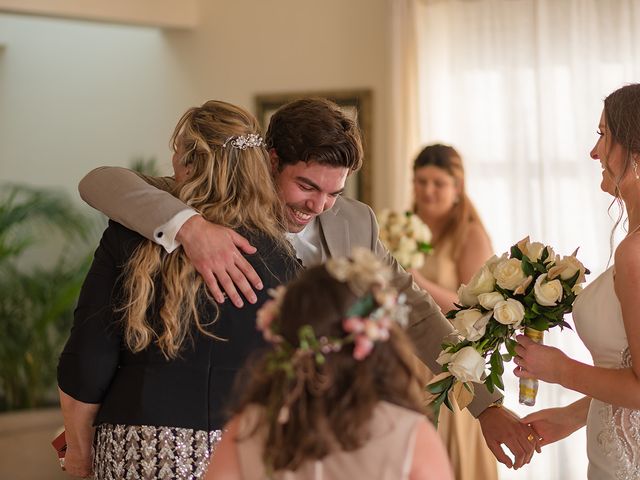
74 94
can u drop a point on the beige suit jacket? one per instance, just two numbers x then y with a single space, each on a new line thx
129 199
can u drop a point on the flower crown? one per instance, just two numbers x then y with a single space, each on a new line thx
365 323
250 140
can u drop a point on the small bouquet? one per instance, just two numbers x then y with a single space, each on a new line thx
406 236
530 290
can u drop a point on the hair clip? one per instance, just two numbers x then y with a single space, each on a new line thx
250 140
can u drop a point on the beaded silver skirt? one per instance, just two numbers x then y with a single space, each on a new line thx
135 452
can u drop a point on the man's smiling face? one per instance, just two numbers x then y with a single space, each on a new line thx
307 189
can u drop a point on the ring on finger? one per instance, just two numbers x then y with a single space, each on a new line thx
530 437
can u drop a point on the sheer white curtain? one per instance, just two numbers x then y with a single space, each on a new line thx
517 87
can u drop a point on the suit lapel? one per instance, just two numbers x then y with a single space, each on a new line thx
335 231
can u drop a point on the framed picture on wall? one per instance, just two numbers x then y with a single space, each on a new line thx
357 105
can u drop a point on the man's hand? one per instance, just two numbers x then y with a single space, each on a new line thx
501 426
214 252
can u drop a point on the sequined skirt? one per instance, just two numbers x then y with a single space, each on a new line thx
145 452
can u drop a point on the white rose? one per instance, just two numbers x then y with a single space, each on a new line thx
494 261
509 274
509 312
419 230
467 365
471 324
534 252
489 300
465 297
482 282
395 229
444 357
567 268
407 244
547 293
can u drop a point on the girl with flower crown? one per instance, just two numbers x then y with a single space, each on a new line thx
338 396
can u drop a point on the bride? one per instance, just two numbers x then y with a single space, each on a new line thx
607 319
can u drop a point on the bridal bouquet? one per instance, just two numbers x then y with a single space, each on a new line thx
406 236
530 289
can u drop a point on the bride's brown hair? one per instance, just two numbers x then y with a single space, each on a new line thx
329 404
622 118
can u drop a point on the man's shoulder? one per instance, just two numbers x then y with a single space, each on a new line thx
349 206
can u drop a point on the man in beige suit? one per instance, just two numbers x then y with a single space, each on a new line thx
313 148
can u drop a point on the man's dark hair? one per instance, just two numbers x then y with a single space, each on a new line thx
315 130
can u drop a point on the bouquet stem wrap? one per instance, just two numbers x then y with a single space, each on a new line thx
529 386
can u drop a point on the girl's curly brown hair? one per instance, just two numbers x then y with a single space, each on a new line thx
329 404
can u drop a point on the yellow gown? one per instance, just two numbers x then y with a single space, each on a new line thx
460 431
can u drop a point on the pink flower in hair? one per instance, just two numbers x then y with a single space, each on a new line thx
363 347
353 325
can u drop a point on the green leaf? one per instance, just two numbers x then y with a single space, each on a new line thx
441 386
516 253
527 266
545 254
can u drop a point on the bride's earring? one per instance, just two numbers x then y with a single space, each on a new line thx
635 169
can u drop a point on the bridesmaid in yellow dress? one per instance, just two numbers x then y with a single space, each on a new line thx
461 246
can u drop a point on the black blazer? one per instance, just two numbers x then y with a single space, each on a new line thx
144 388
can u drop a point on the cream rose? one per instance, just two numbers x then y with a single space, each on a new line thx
494 261
547 293
444 357
567 268
509 274
509 312
471 324
481 282
465 297
467 365
489 300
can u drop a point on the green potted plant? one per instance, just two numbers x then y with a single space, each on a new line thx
38 298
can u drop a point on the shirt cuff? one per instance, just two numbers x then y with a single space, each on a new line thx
165 234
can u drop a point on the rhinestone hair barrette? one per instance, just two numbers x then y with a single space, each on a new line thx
250 140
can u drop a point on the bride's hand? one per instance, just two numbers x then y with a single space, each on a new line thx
552 424
539 361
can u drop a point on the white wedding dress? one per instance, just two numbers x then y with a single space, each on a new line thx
613 433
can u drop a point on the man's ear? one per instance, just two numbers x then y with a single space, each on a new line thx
275 160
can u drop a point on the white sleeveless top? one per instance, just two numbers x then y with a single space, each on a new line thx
613 433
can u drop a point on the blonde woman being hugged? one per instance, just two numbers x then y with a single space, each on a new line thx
460 247
146 373
338 397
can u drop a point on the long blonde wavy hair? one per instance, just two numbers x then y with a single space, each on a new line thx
228 186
